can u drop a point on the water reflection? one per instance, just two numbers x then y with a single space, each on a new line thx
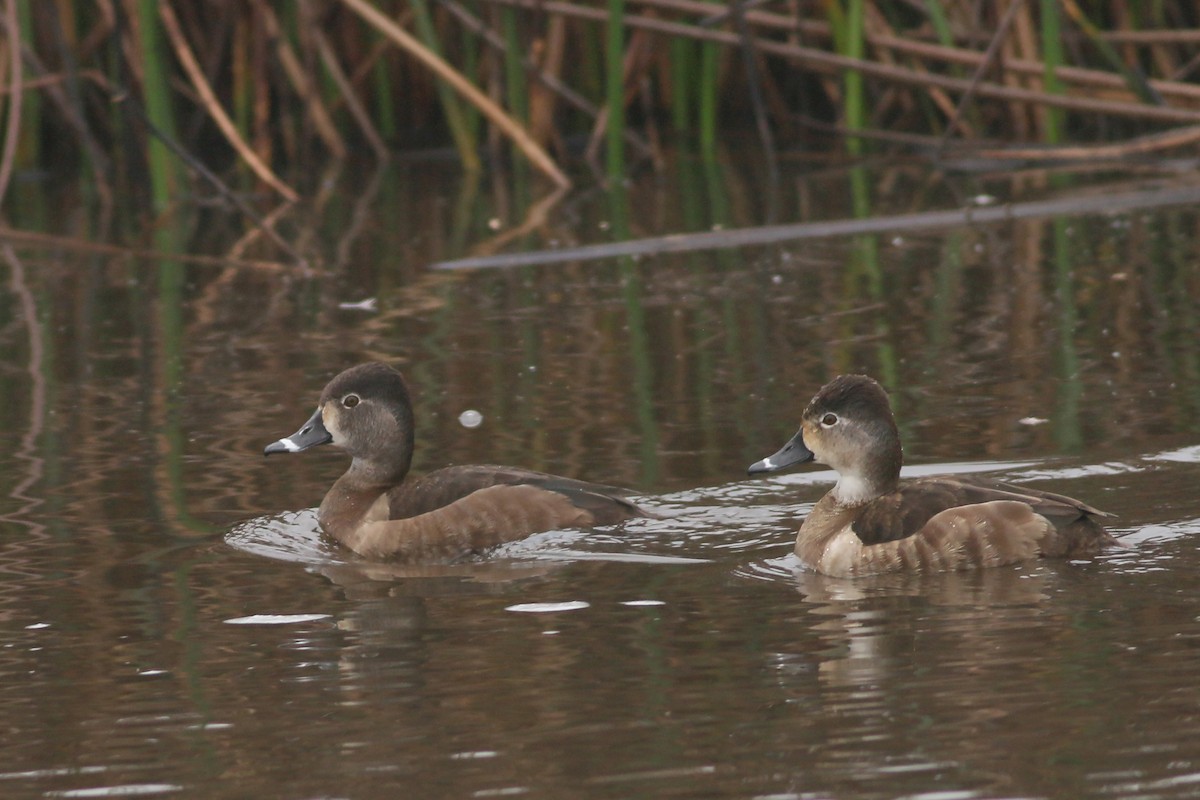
897 679
139 518
742 340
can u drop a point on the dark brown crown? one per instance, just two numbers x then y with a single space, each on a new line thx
856 396
374 380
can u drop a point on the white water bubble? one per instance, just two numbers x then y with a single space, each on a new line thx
470 418
546 608
275 619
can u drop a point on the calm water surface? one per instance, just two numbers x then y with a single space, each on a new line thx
172 625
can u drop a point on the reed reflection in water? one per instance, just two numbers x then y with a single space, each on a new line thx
140 391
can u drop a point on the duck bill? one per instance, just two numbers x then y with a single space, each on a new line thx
794 452
312 434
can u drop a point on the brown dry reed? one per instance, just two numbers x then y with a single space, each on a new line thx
248 95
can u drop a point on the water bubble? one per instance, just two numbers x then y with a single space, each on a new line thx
275 619
470 418
547 608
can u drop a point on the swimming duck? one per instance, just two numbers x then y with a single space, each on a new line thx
453 512
870 523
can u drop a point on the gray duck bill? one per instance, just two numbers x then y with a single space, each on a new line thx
794 452
312 434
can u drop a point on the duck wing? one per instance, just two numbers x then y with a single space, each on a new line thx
1048 504
606 504
903 512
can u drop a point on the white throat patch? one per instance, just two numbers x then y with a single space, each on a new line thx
851 490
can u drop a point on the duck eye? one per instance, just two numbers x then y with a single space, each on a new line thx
829 420
350 401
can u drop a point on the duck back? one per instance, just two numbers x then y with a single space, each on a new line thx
605 505
905 511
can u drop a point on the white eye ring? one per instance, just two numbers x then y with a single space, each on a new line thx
829 420
350 401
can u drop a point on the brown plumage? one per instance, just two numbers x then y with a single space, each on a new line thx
870 523
375 510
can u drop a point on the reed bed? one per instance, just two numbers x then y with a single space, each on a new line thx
249 95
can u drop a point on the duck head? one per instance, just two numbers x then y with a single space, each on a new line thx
848 426
365 411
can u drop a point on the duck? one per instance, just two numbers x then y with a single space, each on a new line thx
378 511
871 523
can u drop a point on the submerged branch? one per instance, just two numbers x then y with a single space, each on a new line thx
1142 145
47 241
1071 205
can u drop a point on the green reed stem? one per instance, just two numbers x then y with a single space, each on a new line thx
468 215
614 67
682 68
860 192
639 342
472 47
515 82
853 46
1133 78
385 104
947 281
709 74
241 82
1052 57
172 282
456 120
157 101
1067 428
29 142
940 23
1175 296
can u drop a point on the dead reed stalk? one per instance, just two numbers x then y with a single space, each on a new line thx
270 78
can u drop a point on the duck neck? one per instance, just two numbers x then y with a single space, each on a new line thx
853 490
365 475
353 497
384 466
349 503
875 479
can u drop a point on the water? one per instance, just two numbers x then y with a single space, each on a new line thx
172 625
